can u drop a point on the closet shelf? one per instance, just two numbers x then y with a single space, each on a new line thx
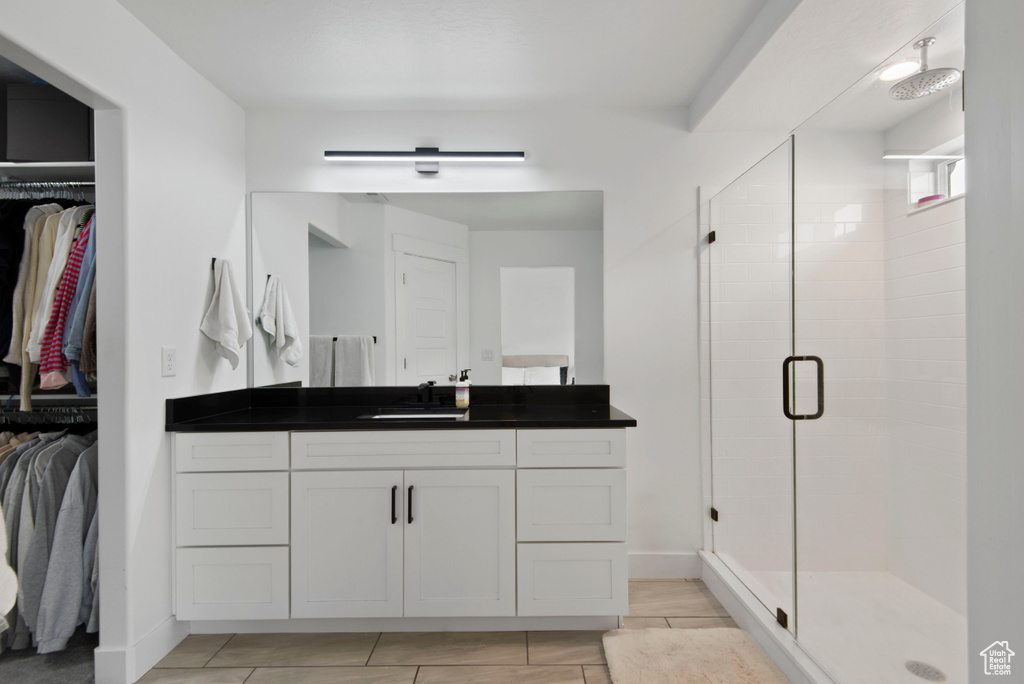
44 172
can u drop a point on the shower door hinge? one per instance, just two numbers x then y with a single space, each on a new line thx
711 237
782 618
714 514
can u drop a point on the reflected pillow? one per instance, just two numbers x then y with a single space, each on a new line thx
543 375
513 376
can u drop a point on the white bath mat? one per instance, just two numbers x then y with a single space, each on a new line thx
722 655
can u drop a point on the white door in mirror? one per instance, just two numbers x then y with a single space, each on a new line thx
426 319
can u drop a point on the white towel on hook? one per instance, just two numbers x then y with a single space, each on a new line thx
278 320
353 361
321 361
227 320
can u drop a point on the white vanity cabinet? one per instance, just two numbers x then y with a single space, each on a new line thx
440 523
571 510
231 526
434 536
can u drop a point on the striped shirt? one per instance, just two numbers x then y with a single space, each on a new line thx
51 357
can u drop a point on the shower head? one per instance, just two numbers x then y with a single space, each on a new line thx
926 81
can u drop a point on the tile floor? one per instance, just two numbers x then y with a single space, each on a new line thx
432 657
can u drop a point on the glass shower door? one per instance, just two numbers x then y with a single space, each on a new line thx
751 333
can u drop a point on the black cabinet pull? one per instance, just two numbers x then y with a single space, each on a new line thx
820 366
410 504
394 514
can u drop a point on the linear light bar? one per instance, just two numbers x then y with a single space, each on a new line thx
426 158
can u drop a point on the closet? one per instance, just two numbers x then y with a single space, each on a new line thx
48 369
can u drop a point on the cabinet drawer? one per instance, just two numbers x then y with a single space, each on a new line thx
231 509
403 449
571 505
199 452
571 448
232 583
572 579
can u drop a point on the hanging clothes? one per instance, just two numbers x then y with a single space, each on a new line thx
47 274
48 494
52 363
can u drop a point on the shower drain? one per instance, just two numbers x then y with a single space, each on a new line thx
926 671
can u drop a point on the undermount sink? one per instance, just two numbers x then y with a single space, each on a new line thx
416 413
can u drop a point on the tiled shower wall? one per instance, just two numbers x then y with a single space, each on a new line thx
925 342
840 312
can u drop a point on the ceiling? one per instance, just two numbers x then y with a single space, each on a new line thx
451 54
866 105
504 210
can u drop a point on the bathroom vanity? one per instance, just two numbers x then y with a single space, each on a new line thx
293 503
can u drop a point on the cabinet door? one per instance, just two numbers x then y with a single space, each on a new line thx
460 543
347 544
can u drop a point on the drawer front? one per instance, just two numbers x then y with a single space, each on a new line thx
571 448
232 583
203 452
571 505
403 449
231 509
572 579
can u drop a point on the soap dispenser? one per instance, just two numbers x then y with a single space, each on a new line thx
462 389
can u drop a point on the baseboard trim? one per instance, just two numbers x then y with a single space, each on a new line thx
751 615
110 665
406 624
664 565
150 649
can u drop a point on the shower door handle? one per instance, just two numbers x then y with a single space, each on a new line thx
820 366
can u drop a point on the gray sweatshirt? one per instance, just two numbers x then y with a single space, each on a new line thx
68 586
59 466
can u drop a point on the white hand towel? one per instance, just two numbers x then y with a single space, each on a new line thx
353 361
227 320
278 321
321 357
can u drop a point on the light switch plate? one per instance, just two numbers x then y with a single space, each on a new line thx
168 361
486 354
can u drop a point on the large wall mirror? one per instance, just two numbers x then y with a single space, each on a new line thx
403 288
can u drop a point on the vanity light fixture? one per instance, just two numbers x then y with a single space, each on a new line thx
427 159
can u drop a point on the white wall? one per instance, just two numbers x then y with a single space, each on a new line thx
649 168
346 285
580 249
995 326
170 196
281 225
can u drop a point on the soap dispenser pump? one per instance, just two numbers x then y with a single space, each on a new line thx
462 389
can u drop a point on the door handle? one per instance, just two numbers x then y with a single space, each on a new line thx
394 514
410 504
820 366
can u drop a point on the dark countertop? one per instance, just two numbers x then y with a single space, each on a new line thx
491 407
